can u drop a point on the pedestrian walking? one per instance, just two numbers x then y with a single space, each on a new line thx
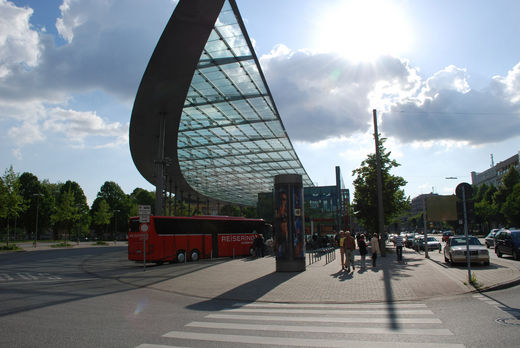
362 245
341 250
398 242
374 244
349 245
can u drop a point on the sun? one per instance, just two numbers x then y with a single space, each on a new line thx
362 30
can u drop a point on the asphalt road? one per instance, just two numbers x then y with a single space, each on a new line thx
95 297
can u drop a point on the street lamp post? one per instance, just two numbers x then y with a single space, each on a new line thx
115 224
38 195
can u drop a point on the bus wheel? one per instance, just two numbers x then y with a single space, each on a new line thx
252 251
181 256
195 255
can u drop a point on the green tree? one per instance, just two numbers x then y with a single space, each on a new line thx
30 189
67 212
11 203
485 210
511 207
103 214
81 224
365 202
510 179
120 204
230 210
140 196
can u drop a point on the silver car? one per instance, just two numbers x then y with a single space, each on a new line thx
433 244
490 238
455 250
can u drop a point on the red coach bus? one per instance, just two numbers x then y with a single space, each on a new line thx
178 238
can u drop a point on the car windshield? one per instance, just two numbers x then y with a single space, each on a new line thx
462 241
431 239
491 235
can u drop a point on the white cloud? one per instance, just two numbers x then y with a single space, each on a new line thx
323 96
27 133
77 126
19 44
108 44
508 87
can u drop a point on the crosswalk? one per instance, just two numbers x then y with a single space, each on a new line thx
20 276
367 325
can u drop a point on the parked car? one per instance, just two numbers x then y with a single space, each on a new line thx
446 235
507 241
455 250
490 238
408 240
433 244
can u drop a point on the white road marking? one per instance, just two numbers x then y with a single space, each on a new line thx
332 305
320 329
328 312
301 342
376 320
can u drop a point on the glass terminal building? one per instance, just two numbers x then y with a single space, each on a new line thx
204 125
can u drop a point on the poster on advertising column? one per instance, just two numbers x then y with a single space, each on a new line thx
288 224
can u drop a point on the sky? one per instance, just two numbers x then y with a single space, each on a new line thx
444 77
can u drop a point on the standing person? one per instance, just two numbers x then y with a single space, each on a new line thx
258 244
349 245
362 245
341 250
374 244
398 241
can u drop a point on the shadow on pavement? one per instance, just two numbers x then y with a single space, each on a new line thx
46 278
248 292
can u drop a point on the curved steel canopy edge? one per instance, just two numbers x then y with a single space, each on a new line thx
204 124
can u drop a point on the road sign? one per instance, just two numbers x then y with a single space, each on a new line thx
144 213
468 190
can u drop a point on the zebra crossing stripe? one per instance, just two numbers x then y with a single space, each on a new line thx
5 276
300 342
326 319
329 312
320 329
486 300
332 305
146 345
26 276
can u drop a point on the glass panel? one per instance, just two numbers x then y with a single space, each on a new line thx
220 152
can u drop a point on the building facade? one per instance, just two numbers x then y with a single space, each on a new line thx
493 176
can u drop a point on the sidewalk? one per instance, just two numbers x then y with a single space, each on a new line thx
248 279
256 280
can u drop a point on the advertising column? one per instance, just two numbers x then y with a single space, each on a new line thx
289 233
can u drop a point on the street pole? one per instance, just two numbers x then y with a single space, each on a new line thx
38 195
466 232
425 229
379 187
115 224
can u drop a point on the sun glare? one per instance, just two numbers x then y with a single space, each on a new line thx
363 30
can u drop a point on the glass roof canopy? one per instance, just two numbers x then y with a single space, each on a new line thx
231 141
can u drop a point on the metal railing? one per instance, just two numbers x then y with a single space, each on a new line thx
315 255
